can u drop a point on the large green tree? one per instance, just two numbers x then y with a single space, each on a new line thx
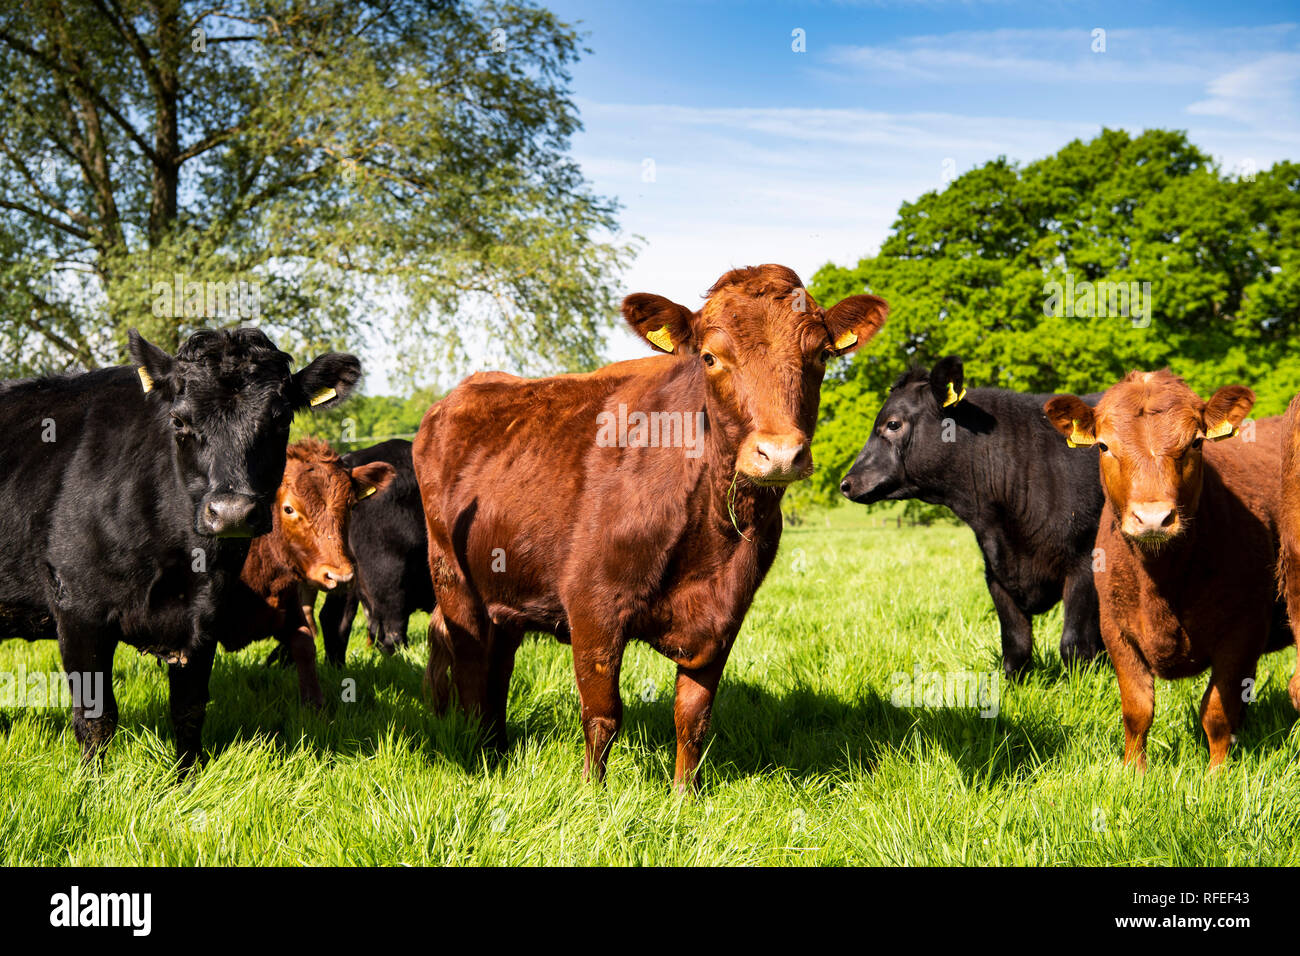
968 271
394 164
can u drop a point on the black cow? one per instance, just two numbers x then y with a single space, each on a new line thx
390 551
128 497
992 457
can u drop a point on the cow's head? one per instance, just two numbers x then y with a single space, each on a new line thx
761 344
313 508
906 455
1149 429
227 398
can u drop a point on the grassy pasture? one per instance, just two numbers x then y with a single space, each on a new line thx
810 762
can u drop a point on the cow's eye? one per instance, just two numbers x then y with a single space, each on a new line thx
826 355
708 359
1101 446
178 423
1198 442
288 510
894 425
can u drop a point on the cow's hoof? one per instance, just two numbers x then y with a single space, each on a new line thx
1016 671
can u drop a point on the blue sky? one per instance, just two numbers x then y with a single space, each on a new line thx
763 154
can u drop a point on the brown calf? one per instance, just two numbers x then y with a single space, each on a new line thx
1289 528
305 551
1187 544
639 501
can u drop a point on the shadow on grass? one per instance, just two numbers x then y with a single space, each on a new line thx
377 702
809 733
373 702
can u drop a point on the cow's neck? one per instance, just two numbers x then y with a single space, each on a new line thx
269 568
736 504
1166 568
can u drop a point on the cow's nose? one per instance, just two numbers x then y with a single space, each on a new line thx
229 515
780 458
330 577
1151 517
846 487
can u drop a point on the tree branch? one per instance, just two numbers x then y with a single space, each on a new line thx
45 218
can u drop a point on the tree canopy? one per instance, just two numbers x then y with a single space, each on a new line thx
331 164
970 270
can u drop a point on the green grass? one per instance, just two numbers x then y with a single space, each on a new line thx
809 763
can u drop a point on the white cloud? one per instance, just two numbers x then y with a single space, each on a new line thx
1261 92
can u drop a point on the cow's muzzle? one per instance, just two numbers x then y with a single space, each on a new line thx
329 576
768 459
230 515
866 487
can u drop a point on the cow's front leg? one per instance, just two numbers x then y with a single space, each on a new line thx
88 663
1017 630
301 638
1137 698
337 613
189 700
597 661
692 713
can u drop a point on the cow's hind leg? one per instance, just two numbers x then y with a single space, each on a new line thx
1081 636
437 675
459 641
1017 630
88 663
189 701
504 643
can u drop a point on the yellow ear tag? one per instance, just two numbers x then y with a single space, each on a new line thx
1078 439
145 379
1224 429
370 490
847 339
661 338
324 395
953 398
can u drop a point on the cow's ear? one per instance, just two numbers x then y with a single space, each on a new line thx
948 381
1073 418
1226 410
853 321
667 326
152 364
372 478
327 381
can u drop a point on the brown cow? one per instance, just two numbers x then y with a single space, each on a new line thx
1187 544
305 551
638 501
1289 527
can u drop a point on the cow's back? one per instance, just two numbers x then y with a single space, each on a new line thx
1032 501
513 479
